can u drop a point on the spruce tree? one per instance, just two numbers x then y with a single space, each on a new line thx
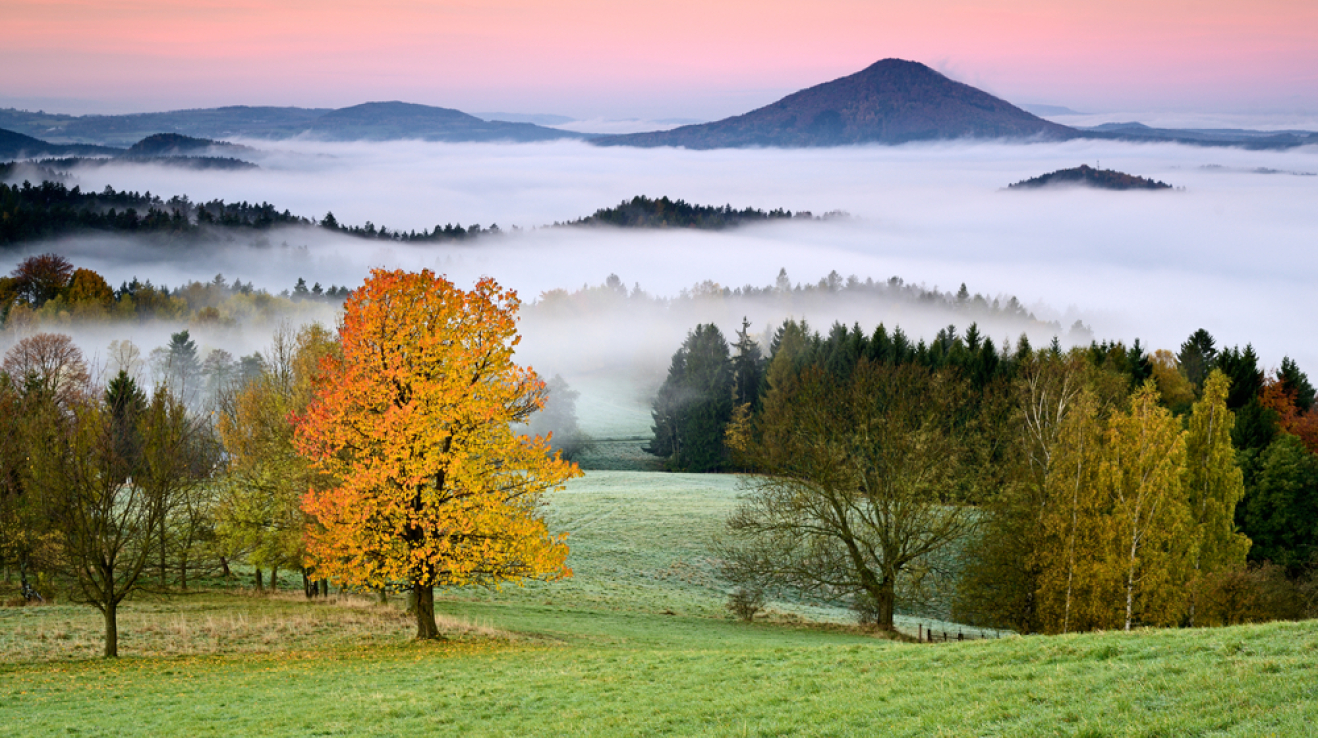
747 368
694 405
1297 384
1197 357
1280 511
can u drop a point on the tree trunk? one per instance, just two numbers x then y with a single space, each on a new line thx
885 601
324 588
111 630
384 595
183 572
274 579
260 587
307 590
224 568
162 554
425 613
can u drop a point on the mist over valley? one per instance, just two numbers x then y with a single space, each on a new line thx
1148 265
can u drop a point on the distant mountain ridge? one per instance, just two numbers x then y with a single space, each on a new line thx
1244 138
164 149
892 101
384 121
124 130
373 121
14 145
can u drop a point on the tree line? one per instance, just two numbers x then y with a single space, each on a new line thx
48 289
1039 490
399 464
30 212
662 212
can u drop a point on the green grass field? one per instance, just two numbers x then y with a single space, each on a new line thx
636 643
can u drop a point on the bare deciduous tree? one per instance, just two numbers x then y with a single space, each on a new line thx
862 485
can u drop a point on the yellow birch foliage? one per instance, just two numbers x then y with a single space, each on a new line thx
1214 482
1152 530
1175 389
413 422
1076 588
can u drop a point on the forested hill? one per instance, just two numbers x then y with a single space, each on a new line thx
176 144
30 212
14 145
1087 176
165 149
171 161
644 212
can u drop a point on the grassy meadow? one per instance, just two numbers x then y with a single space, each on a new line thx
635 643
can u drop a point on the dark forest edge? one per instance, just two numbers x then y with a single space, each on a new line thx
1087 176
960 478
31 212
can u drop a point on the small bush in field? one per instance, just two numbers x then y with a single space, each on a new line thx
746 602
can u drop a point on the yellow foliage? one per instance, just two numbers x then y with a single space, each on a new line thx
414 424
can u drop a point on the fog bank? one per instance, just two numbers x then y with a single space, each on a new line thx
1233 252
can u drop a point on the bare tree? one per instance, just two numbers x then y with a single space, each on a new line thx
107 496
862 485
51 363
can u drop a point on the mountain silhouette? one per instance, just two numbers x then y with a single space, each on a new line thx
384 121
892 101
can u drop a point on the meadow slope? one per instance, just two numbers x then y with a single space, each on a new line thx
634 644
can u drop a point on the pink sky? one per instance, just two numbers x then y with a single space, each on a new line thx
687 58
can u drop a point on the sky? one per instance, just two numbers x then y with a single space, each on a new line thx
681 58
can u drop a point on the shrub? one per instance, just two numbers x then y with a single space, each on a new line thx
746 602
1256 594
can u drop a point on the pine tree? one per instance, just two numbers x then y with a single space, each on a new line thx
1197 357
1281 507
694 405
747 368
1242 369
1296 384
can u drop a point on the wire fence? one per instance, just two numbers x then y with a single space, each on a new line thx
929 634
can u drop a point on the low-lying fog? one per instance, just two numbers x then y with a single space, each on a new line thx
1234 252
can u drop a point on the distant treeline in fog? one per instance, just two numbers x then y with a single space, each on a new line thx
803 297
49 290
644 212
31 212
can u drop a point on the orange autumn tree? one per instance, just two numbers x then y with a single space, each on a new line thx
413 422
